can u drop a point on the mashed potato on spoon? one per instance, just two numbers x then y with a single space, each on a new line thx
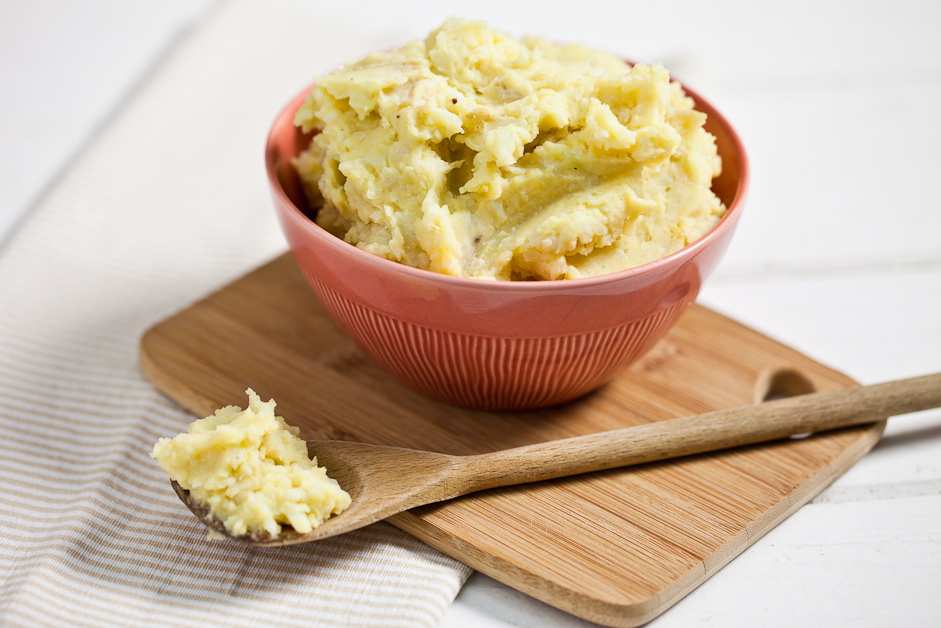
251 471
478 155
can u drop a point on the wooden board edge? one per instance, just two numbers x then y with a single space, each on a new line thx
631 615
153 370
562 598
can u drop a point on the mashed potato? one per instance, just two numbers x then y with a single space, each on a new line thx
478 155
252 471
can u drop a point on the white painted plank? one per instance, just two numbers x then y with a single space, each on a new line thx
64 66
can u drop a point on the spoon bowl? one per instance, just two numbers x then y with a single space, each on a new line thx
383 481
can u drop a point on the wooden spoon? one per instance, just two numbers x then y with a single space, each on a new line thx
383 481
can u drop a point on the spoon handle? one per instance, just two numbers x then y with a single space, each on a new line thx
722 429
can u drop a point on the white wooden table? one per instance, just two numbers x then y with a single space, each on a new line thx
839 253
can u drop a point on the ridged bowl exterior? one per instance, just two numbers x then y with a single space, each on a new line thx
498 345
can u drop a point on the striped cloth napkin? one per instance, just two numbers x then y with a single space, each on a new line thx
168 202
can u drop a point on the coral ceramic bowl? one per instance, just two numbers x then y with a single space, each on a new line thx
499 345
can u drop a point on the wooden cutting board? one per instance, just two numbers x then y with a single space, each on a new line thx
615 547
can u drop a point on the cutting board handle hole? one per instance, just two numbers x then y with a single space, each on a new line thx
785 383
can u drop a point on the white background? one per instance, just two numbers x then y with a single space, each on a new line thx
838 254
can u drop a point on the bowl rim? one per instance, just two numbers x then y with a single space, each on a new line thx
546 285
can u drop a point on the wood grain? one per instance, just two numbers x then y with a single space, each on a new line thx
615 547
